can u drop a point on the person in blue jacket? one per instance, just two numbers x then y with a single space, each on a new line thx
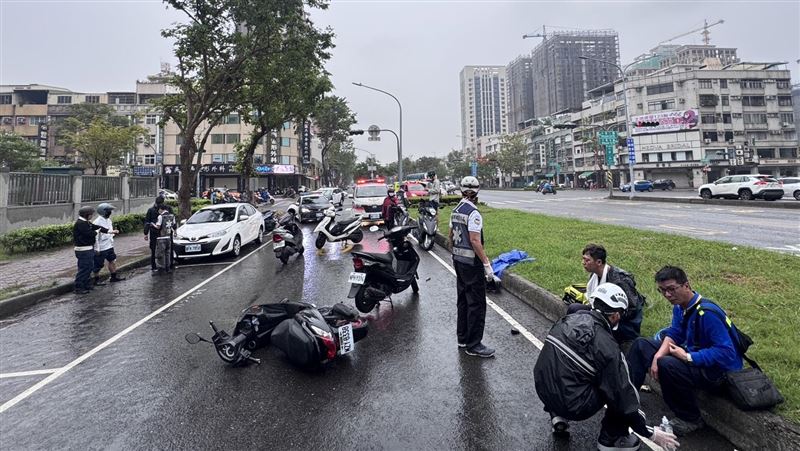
695 352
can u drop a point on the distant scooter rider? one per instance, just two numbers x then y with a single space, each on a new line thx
387 209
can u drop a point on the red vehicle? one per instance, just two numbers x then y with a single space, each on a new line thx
414 189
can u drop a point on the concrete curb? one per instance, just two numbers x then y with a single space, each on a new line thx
746 430
729 203
17 303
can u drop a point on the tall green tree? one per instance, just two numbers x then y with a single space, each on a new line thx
103 144
332 118
341 163
18 153
511 157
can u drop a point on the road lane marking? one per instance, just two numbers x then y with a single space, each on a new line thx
28 373
61 371
688 229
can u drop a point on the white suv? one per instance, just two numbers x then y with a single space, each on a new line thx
335 195
791 187
745 187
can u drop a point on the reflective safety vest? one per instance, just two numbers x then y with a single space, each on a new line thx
462 248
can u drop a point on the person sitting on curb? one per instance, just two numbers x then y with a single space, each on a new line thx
594 262
84 234
105 245
696 351
581 368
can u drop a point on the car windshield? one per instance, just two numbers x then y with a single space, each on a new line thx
416 187
213 215
370 191
318 200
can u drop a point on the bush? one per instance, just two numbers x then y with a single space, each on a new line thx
197 203
30 239
443 200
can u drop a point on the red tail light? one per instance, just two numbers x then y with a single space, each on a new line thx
330 347
760 183
358 263
276 238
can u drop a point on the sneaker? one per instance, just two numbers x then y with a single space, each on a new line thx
480 350
560 425
629 442
682 427
116 278
81 291
462 345
98 282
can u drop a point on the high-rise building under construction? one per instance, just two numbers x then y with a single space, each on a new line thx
561 78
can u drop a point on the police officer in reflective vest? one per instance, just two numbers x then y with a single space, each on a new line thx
473 269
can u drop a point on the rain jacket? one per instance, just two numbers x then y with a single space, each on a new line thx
581 368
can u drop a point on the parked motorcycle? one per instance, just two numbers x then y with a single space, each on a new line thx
269 220
329 229
309 336
400 216
379 275
287 238
427 225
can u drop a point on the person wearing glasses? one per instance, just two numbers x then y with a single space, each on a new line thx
695 352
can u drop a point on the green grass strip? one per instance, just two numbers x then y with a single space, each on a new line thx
760 290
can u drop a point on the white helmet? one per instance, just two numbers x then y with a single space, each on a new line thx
612 298
470 183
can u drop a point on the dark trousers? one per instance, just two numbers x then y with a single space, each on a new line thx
85 266
678 379
471 303
152 239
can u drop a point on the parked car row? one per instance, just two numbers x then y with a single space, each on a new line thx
743 186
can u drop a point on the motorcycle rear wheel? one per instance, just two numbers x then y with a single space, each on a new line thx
426 242
363 304
284 256
321 240
357 236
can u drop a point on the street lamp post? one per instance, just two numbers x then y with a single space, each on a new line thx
625 99
374 160
400 138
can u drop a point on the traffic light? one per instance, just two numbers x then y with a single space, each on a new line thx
355 132
647 124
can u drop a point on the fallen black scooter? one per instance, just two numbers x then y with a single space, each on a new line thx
378 276
309 336
287 238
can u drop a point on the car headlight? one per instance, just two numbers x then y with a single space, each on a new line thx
218 234
304 210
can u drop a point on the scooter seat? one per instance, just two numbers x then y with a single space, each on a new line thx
382 258
346 222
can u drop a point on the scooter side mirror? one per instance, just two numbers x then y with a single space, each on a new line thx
374 228
183 221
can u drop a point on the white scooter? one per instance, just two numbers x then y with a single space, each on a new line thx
329 229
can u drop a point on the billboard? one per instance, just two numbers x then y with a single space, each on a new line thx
665 121
274 169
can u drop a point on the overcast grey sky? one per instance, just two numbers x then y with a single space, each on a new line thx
413 49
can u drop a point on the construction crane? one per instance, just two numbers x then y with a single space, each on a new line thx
703 30
543 34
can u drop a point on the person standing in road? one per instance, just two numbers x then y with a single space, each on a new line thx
696 351
434 189
151 233
388 209
473 270
105 245
581 368
84 234
165 226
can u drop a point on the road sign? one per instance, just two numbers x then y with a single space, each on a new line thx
609 155
474 168
631 151
607 137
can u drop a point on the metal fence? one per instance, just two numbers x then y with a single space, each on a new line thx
39 189
100 187
142 186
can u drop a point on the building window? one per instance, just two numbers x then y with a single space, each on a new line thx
231 119
217 157
152 140
708 118
689 155
150 119
149 159
285 159
787 117
752 84
217 138
784 84
5 99
92 99
766 153
179 140
659 105
660 89
36 120
708 100
64 99
286 142
705 84
784 100
645 158
753 136
122 99
723 83
788 152
660 157
789 136
726 118
755 118
710 136
728 136
259 159
232 138
231 158
287 125
725 100
753 101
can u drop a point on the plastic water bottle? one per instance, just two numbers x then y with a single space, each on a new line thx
665 426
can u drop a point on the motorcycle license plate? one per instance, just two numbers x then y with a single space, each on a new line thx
279 245
374 215
357 278
346 342
192 248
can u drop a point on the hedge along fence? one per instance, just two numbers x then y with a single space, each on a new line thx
443 200
31 239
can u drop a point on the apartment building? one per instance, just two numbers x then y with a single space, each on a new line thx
484 104
520 92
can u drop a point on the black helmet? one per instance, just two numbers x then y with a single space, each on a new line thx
159 200
86 212
105 209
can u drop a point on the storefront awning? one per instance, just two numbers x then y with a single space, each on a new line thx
586 174
550 174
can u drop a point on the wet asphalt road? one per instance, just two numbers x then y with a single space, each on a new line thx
773 229
406 386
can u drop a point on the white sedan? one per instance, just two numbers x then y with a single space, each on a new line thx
791 187
219 229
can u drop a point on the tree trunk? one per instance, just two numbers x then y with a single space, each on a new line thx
188 151
247 162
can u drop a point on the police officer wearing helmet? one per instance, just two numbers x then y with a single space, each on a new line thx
473 269
581 369
84 234
105 244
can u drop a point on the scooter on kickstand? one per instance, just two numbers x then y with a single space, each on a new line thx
287 238
329 229
427 225
379 275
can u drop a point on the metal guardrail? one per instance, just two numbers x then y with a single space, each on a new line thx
39 189
142 187
99 187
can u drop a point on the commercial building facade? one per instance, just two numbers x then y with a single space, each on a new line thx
484 104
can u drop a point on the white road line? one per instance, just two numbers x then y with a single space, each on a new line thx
60 371
28 373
